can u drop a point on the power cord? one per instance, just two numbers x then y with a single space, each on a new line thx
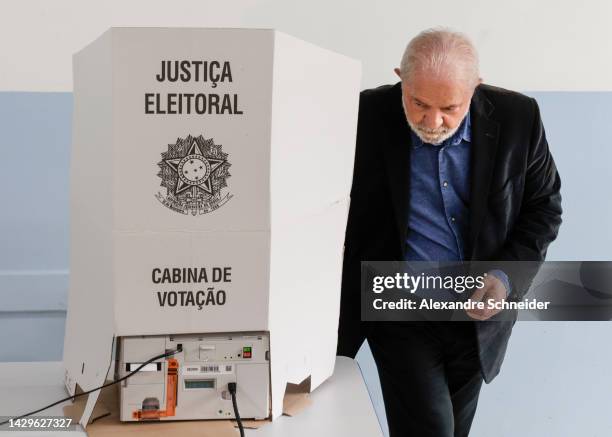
232 389
164 355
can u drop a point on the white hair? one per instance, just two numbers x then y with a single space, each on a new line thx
442 53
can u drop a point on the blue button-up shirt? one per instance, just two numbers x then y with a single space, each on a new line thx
439 197
438 217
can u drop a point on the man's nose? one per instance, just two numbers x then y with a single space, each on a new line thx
433 119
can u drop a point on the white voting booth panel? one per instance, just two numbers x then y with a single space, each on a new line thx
210 174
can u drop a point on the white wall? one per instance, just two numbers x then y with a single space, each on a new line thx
524 44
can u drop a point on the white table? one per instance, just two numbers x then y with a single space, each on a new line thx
341 406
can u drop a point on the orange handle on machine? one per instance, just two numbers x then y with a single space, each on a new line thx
171 394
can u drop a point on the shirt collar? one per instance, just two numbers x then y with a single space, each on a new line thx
464 133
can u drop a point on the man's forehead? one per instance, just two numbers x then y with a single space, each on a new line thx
438 91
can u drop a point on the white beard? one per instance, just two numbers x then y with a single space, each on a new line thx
432 136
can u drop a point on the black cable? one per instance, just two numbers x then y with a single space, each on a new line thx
164 355
232 389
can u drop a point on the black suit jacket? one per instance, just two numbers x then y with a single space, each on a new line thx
515 202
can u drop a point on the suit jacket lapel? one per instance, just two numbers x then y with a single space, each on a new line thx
485 135
397 159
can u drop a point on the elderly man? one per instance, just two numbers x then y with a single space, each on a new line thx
446 169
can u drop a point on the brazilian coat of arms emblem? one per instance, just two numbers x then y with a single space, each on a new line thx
194 171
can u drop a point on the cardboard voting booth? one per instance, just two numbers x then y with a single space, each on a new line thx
210 178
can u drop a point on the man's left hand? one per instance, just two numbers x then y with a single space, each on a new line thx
492 288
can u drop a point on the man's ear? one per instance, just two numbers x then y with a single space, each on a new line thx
397 71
